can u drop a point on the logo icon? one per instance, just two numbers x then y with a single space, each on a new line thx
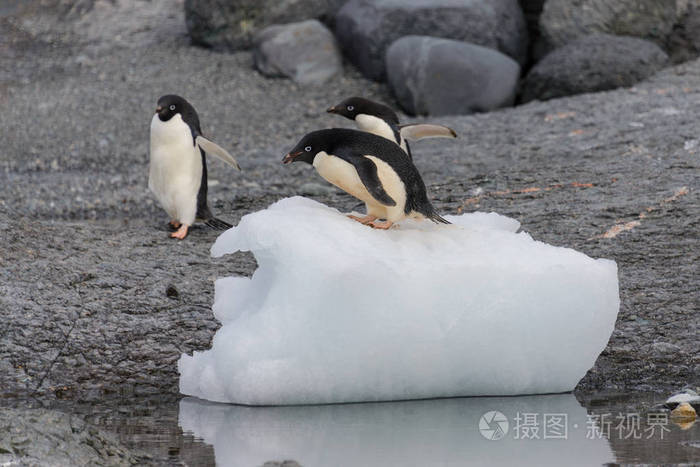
493 425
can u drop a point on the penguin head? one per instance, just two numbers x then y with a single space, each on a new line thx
170 105
310 145
354 106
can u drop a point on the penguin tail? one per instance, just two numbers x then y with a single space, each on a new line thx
217 224
438 219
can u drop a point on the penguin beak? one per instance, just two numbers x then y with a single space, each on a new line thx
331 110
159 109
291 156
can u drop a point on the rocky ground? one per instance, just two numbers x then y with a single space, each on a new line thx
96 302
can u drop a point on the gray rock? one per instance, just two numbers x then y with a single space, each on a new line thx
436 76
231 25
47 437
563 21
684 42
593 63
305 51
366 28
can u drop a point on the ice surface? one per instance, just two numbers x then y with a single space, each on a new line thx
441 432
339 312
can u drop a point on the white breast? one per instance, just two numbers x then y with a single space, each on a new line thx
379 127
343 175
175 168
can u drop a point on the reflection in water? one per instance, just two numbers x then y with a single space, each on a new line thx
420 433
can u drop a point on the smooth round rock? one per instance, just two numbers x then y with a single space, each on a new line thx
365 28
306 52
432 76
593 63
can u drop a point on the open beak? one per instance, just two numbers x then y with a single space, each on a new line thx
291 156
159 109
331 110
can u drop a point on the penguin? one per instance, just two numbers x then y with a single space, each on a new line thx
370 168
381 120
178 168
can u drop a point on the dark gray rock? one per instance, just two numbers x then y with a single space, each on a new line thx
306 52
231 25
563 21
366 28
432 76
593 63
684 42
48 438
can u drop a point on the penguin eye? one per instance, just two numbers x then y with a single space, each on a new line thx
351 108
307 149
172 107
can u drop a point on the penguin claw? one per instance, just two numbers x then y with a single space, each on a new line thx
363 220
181 232
383 225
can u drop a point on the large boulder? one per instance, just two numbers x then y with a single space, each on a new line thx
304 51
433 76
231 25
365 28
684 42
563 21
592 63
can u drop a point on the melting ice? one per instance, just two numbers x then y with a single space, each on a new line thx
339 312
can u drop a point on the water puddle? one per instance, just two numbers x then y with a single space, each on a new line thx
560 429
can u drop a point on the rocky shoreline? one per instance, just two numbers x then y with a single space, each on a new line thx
97 303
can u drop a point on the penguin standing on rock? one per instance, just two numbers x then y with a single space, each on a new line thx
178 168
381 120
370 168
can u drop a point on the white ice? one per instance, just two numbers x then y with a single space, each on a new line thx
339 312
441 432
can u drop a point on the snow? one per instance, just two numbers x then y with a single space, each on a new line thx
339 312
441 432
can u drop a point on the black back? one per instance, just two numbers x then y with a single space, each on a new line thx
171 105
353 145
354 106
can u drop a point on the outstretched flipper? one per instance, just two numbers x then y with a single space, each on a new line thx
417 131
215 150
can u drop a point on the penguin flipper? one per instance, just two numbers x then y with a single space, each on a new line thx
418 131
367 171
215 150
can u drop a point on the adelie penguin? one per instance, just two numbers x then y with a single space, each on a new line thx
370 168
381 120
178 168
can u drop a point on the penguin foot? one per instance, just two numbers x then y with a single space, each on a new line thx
181 232
174 224
383 225
363 220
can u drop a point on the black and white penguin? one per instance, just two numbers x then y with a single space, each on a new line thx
381 120
178 168
370 168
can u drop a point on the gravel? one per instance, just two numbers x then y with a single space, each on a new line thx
96 302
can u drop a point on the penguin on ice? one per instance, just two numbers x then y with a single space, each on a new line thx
370 168
381 120
178 168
